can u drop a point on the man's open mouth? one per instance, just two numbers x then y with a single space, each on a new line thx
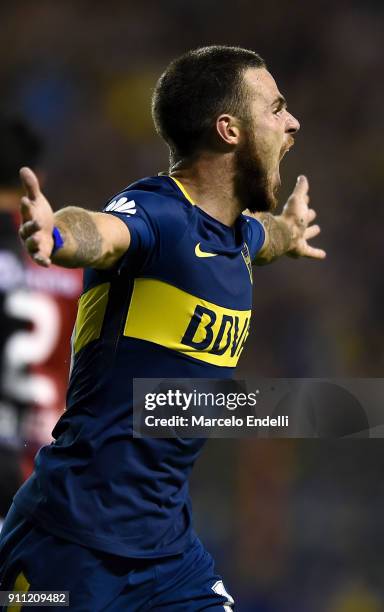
285 149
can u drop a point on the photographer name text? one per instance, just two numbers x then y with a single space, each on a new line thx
202 421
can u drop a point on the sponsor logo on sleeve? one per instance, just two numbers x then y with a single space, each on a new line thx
122 205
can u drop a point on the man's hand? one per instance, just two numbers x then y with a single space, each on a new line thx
288 233
37 220
298 218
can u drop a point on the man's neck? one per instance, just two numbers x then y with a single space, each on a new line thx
209 180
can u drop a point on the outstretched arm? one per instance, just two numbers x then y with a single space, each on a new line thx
90 239
288 233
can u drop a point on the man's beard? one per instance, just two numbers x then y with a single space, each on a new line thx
253 186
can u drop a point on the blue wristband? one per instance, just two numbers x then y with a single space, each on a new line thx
58 241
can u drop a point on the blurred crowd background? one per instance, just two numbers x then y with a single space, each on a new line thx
295 525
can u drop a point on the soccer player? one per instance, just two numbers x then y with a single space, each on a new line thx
37 310
167 293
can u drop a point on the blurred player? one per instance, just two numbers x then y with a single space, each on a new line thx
167 293
37 310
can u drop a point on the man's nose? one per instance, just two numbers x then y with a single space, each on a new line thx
293 125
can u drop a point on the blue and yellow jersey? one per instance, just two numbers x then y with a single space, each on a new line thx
177 305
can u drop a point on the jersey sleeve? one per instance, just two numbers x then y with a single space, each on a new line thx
256 236
125 207
147 216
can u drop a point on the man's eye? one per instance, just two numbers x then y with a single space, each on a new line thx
279 110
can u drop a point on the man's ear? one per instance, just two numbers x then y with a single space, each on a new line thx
228 129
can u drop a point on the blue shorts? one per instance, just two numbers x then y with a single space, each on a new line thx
33 559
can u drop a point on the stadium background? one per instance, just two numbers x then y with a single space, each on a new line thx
295 526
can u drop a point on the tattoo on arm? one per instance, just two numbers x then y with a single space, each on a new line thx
83 244
279 238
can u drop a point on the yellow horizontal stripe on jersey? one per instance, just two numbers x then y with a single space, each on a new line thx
22 585
190 325
90 315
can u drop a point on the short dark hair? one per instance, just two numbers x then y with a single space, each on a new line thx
19 146
195 89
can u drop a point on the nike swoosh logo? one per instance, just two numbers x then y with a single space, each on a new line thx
200 253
